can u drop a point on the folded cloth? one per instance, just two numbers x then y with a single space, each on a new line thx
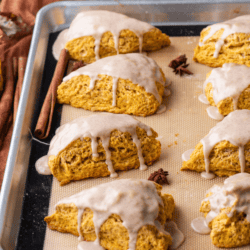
26 9
13 46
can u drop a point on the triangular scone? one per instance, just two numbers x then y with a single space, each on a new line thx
225 150
226 42
227 212
98 146
228 88
140 213
97 34
125 84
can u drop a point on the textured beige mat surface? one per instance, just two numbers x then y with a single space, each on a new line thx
181 127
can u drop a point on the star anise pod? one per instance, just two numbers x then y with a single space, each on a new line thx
77 65
179 65
159 177
182 69
178 61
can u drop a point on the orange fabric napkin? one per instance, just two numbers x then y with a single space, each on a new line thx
15 46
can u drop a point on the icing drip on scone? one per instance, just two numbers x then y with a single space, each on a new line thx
237 25
95 24
138 68
135 201
229 81
235 129
95 126
235 193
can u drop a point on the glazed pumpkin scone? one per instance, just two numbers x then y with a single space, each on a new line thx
125 84
119 215
98 146
97 34
225 150
226 42
227 213
227 89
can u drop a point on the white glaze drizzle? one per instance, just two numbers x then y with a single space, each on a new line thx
175 233
228 81
186 155
239 24
87 245
95 126
214 113
42 165
200 226
96 23
135 201
138 68
208 176
235 193
59 44
161 109
202 98
167 92
235 129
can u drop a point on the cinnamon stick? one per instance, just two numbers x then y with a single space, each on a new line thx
21 69
1 77
70 66
6 100
43 125
15 68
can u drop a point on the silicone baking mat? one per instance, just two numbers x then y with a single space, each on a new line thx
180 128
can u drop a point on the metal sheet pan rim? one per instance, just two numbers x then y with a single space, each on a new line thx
15 139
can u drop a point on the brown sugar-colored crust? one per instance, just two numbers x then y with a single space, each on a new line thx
228 231
113 235
83 48
234 50
130 98
76 162
224 159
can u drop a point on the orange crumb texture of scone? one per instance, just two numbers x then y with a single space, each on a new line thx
234 50
225 150
125 84
224 159
227 105
131 98
227 231
113 234
76 162
83 48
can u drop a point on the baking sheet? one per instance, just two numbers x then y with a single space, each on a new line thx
24 196
181 127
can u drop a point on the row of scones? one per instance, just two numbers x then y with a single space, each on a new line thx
134 214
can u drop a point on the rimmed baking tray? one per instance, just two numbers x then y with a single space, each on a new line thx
25 195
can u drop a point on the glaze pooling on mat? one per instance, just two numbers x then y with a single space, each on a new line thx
95 126
237 25
228 81
200 226
135 201
235 129
177 236
214 113
95 24
138 68
235 193
202 98
186 155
